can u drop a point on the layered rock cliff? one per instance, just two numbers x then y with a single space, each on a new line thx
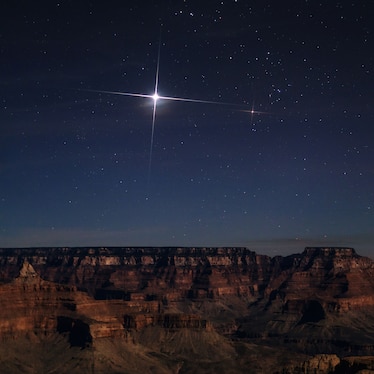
209 304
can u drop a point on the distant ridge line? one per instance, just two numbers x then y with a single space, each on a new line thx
170 250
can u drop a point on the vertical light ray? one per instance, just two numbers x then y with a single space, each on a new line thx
152 136
155 98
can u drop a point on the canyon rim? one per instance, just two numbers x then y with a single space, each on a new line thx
185 310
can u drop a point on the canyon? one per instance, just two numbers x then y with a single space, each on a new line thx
185 310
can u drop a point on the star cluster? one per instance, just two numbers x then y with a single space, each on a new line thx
289 164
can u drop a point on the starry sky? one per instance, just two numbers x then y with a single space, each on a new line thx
288 164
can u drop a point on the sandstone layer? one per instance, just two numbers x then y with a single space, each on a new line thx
186 310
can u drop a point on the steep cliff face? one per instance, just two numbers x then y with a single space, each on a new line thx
319 301
335 275
124 272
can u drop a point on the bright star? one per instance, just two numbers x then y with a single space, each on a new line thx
253 112
156 97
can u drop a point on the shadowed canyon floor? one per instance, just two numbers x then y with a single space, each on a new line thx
185 310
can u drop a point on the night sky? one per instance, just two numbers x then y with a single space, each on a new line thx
75 164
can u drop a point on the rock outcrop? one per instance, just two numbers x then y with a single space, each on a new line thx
319 302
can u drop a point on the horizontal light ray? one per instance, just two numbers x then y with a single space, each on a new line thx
253 111
156 96
195 100
121 93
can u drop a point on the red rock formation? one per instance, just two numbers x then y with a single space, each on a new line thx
169 321
318 301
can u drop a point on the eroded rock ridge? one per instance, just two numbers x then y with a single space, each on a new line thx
320 301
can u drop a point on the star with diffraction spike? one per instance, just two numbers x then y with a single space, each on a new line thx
156 97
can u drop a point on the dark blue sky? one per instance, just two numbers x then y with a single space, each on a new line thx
74 163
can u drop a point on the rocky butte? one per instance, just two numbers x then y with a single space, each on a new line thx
185 310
